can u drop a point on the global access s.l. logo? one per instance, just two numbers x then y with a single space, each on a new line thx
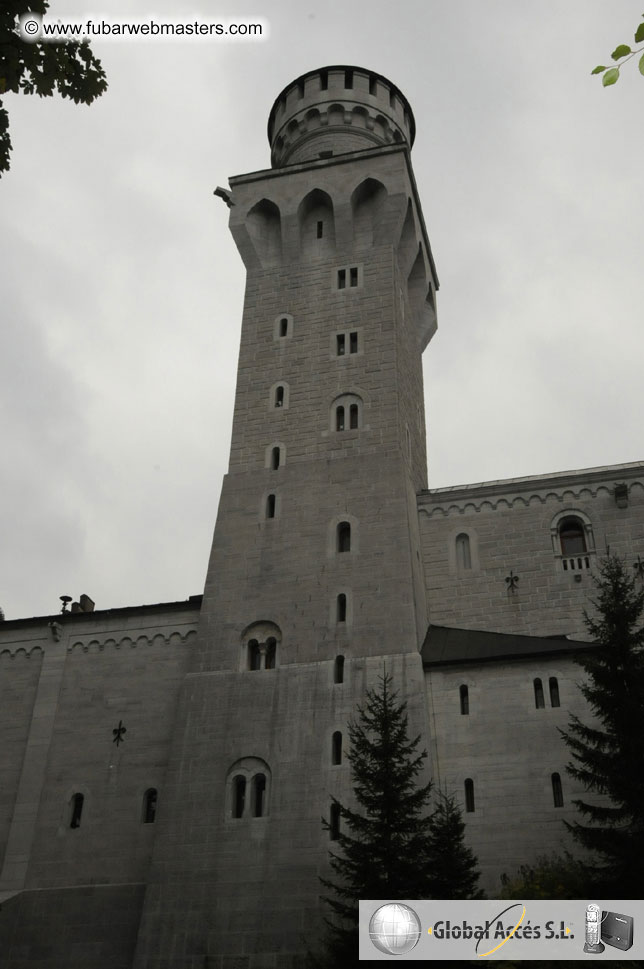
499 930
417 930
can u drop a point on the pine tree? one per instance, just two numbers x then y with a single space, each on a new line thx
608 756
386 849
454 871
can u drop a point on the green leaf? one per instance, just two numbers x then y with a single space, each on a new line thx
621 51
611 77
599 69
639 34
642 64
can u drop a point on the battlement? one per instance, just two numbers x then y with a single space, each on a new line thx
335 110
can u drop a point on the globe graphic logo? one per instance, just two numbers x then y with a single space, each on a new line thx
394 928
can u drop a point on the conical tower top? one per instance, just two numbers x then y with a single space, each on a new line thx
335 110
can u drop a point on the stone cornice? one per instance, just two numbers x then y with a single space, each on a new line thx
506 493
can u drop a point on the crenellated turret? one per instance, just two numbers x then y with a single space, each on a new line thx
336 110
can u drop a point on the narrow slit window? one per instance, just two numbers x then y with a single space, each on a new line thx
341 608
239 796
465 700
77 810
320 229
348 80
334 822
353 341
342 278
336 748
344 537
275 458
339 418
469 795
258 795
353 416
270 506
372 84
353 276
324 80
557 792
539 700
339 344
271 651
554 691
279 396
254 655
338 670
150 806
463 552
283 326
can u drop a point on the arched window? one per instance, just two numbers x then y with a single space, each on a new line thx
283 326
270 506
258 792
150 806
338 670
239 796
279 396
465 700
76 810
572 537
469 795
463 553
554 691
341 608
336 748
334 822
346 410
275 458
343 532
539 701
248 789
557 792
260 642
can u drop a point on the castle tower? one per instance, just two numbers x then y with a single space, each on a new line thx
315 581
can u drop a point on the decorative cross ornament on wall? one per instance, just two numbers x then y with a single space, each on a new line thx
118 733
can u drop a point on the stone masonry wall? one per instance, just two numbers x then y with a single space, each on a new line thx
510 749
510 527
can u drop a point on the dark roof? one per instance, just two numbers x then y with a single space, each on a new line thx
194 602
446 646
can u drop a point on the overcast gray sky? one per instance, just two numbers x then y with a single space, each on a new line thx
121 289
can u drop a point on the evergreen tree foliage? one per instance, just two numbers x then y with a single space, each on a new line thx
35 67
608 755
454 872
391 847
551 876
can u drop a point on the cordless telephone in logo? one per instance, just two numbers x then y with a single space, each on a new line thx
593 922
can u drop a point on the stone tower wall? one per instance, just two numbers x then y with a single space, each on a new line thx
333 246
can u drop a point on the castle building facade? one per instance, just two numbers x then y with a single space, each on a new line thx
165 768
